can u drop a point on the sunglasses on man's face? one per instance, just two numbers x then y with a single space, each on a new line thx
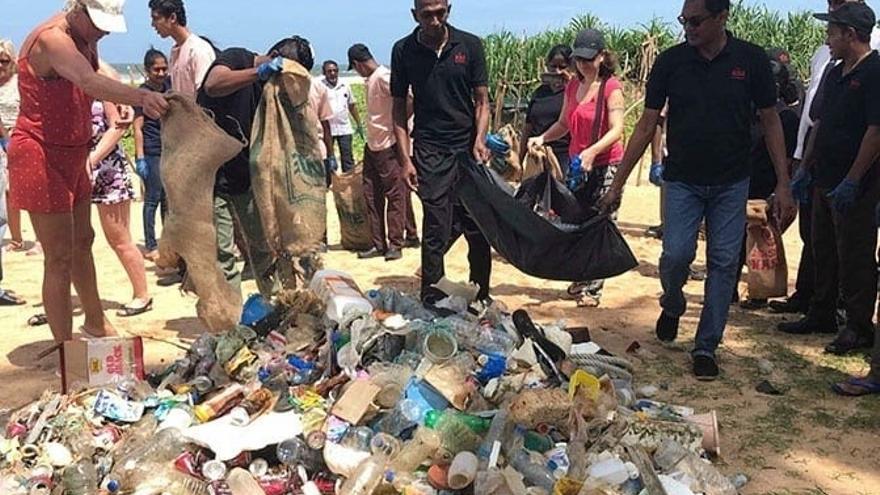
694 21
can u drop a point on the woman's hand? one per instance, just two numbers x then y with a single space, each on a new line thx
126 117
588 156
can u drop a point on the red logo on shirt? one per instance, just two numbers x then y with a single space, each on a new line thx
855 84
738 73
460 58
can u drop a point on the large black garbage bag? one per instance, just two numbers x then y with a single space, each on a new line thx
590 248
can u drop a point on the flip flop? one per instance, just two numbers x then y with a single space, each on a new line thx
862 387
91 336
38 320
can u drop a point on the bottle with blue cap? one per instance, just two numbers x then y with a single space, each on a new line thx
575 178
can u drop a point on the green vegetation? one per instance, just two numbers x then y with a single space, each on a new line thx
516 62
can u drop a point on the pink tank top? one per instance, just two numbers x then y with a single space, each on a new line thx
580 124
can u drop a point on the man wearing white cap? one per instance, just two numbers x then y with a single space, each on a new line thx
58 81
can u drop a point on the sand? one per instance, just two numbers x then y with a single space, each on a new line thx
807 441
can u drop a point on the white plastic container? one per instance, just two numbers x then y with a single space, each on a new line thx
340 292
463 471
613 472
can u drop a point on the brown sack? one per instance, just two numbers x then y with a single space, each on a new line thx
765 254
351 206
509 167
287 173
538 160
193 149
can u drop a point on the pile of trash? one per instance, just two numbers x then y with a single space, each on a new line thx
332 391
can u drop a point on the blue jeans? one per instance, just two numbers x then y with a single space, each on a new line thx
724 210
154 199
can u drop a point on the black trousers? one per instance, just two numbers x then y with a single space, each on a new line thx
806 274
346 153
845 250
445 220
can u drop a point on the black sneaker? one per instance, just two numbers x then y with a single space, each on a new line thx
656 232
807 326
667 328
393 255
705 368
789 306
372 253
412 242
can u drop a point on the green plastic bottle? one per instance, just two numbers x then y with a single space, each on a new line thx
475 423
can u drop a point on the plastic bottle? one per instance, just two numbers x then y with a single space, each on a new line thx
456 432
366 478
406 414
485 339
241 482
295 451
494 366
393 301
423 446
612 472
161 448
340 293
220 403
255 404
80 479
477 424
575 177
535 474
491 446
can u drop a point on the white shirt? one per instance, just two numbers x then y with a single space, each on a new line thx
820 61
340 99
189 65
9 102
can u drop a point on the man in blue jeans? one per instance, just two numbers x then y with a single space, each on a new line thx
712 83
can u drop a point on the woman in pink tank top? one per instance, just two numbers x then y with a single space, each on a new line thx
593 115
49 151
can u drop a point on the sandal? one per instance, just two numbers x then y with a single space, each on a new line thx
856 387
38 320
576 290
9 298
588 301
131 309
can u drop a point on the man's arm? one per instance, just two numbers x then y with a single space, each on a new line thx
481 121
869 153
401 134
223 81
327 135
70 64
355 115
775 138
139 136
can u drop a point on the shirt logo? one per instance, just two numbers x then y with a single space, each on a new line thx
855 84
460 58
738 73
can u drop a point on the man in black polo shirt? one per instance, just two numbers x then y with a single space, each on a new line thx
232 91
446 69
712 83
842 158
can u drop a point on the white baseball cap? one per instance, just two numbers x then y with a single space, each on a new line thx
106 15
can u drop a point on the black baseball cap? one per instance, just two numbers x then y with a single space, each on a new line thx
588 44
358 53
856 15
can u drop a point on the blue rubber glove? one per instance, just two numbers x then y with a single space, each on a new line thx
141 168
844 196
4 143
270 68
656 174
800 185
331 165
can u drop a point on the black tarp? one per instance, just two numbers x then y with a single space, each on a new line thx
579 245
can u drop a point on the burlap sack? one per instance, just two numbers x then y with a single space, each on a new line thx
193 149
351 206
287 173
540 159
765 254
509 167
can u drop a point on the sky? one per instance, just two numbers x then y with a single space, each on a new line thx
334 25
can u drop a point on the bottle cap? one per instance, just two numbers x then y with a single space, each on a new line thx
432 417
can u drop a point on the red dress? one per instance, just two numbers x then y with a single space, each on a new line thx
50 144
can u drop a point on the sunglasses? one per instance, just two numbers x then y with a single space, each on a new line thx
5 61
694 21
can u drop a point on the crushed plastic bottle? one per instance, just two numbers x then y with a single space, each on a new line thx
534 473
491 446
366 478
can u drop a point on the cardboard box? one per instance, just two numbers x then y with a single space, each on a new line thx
96 362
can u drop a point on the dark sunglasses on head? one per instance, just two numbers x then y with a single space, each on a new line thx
5 61
694 21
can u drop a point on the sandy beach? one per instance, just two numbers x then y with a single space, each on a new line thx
805 441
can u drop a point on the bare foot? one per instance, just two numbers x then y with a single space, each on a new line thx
99 331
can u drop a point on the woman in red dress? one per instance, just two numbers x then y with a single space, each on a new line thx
49 151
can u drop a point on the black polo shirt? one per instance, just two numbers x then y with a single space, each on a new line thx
852 104
711 104
442 87
235 114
